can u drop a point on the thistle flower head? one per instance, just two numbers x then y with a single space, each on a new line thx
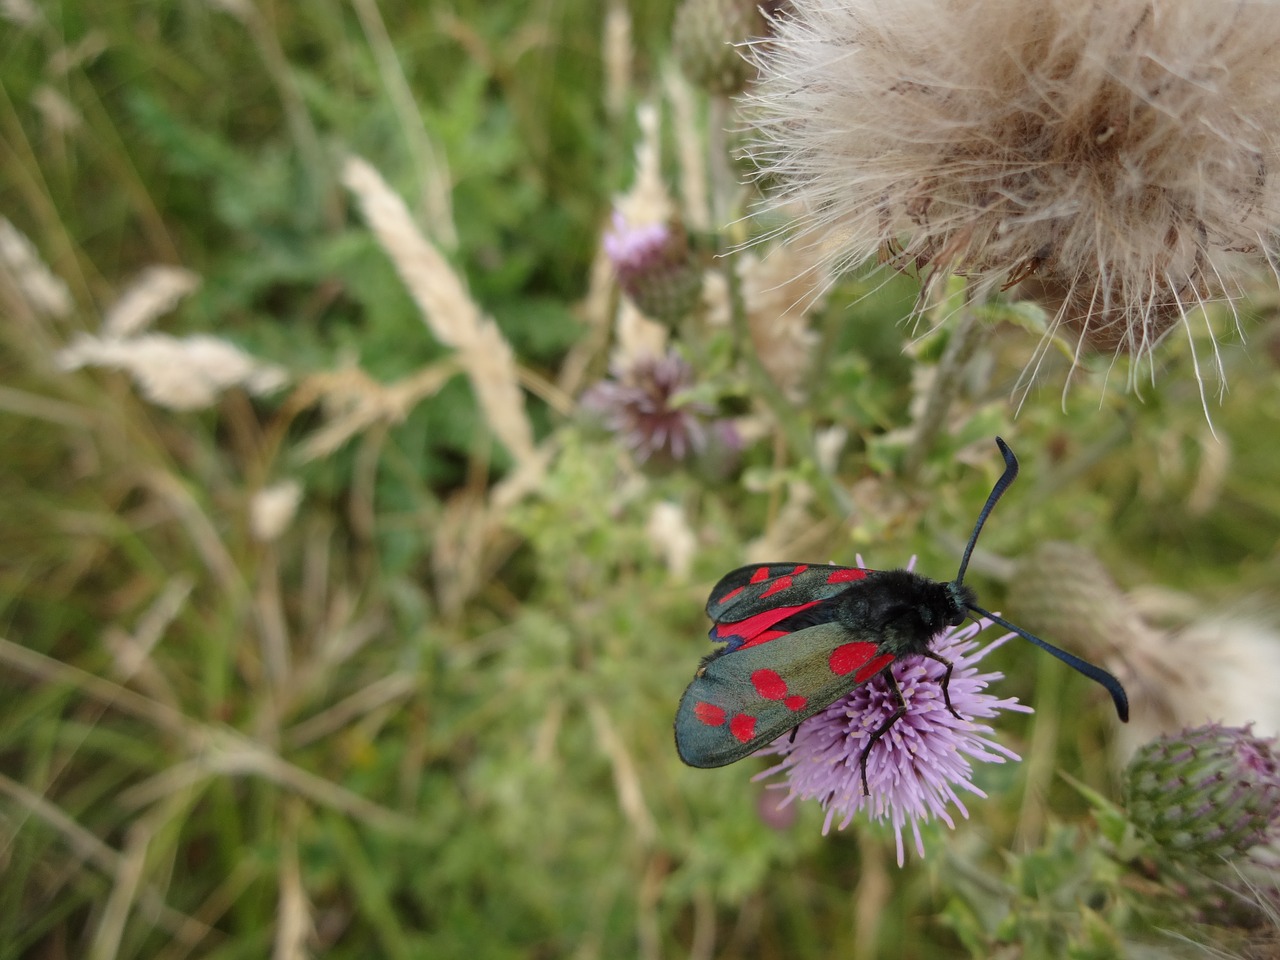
647 406
1221 667
919 768
705 34
1115 152
1206 794
655 267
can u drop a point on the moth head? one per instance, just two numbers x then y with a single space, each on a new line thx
911 610
961 598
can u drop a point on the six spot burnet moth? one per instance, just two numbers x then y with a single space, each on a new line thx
800 636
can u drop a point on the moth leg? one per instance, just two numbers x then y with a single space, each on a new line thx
792 739
898 713
946 681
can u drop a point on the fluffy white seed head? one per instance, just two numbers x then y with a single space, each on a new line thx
1117 153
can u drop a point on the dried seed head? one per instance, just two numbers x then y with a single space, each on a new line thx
1116 153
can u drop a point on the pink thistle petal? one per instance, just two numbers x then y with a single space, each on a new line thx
922 766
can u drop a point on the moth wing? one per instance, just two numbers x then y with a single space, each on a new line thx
748 603
745 699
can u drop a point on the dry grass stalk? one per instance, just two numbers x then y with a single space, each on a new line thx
131 649
273 508
648 200
152 294
617 53
449 312
295 925
125 890
462 542
380 693
22 13
91 45
626 775
86 846
671 536
779 289
353 402
23 269
187 373
429 163
636 337
596 310
58 113
691 146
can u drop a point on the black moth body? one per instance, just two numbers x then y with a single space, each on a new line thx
899 611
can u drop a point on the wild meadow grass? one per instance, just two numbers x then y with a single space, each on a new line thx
336 623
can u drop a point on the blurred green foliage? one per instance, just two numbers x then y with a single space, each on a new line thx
419 724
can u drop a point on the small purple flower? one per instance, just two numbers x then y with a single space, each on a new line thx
631 248
648 407
916 770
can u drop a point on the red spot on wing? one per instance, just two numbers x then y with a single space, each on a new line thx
760 575
769 684
708 713
782 583
846 575
848 657
743 727
873 667
795 704
731 594
800 568
753 627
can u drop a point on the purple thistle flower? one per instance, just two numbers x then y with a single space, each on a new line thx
644 406
654 267
632 248
919 767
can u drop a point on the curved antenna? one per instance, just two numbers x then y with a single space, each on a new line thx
1094 673
1010 474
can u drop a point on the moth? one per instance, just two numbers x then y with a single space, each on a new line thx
799 636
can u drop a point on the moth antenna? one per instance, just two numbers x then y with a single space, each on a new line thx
1010 474
1095 673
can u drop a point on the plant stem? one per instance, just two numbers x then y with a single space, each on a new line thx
965 338
797 432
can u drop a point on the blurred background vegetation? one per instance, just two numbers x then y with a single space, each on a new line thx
431 715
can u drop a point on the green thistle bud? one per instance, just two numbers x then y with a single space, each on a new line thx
704 35
655 268
1205 794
